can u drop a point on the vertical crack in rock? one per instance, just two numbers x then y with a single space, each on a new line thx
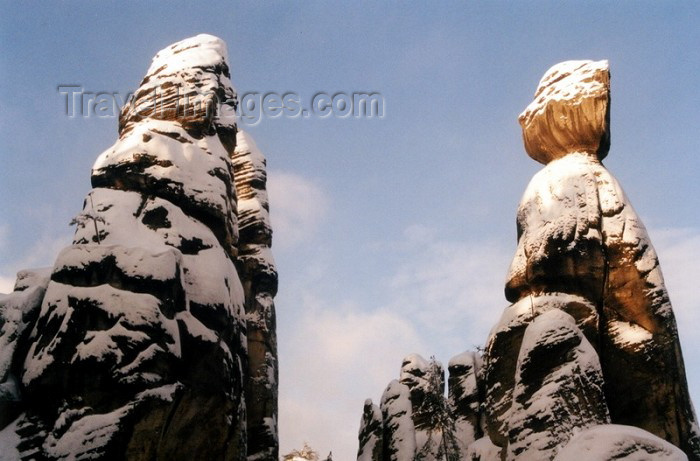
153 335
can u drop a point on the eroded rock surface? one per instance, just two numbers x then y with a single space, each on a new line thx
558 388
583 250
465 394
155 337
589 347
397 416
417 421
258 275
371 434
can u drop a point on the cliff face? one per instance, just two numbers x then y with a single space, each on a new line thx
153 336
587 358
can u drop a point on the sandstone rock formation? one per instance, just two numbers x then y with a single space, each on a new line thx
615 442
154 336
586 362
414 419
465 394
259 278
558 388
583 250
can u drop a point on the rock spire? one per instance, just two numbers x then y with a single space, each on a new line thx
586 362
153 335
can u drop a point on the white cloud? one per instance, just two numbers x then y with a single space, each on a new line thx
453 289
297 208
6 284
338 356
42 253
679 251
444 297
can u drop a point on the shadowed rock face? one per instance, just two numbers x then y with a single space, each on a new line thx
257 271
414 419
154 337
558 388
465 394
503 350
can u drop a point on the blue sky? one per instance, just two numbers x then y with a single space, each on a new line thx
392 235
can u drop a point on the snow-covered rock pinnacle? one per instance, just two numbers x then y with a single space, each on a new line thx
583 250
558 388
570 113
414 419
586 362
155 336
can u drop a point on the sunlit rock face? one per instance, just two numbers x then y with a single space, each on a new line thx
154 337
570 113
583 250
585 364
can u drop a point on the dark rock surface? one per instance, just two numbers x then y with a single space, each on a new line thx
558 388
414 419
465 395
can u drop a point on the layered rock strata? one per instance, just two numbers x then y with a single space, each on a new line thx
259 278
154 337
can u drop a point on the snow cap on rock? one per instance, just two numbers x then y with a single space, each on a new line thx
570 112
202 50
188 82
